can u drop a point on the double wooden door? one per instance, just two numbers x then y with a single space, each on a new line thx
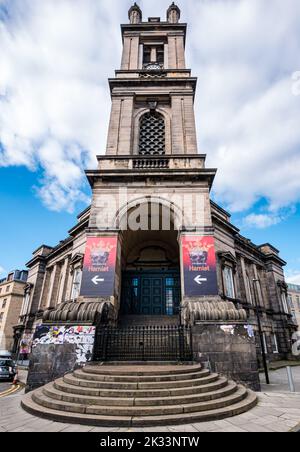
150 293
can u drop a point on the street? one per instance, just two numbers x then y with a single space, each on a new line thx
7 389
4 386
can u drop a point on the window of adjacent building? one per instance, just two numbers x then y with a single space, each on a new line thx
25 304
1 316
10 277
298 302
228 282
285 303
7 288
76 283
275 343
4 303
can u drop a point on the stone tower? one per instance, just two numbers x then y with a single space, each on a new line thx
153 176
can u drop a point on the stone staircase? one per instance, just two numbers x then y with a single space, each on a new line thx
139 395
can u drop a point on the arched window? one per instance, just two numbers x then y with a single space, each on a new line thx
152 134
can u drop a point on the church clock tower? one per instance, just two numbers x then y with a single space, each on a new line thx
150 247
151 192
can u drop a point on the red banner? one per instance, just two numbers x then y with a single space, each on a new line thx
99 267
199 262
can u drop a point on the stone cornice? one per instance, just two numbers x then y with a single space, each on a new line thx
162 174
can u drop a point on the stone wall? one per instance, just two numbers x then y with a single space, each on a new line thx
57 350
230 351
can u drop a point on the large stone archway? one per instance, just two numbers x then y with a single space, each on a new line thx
150 262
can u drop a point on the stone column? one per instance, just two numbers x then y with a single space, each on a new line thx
172 52
45 289
184 140
180 51
126 54
119 141
141 56
63 282
53 286
166 56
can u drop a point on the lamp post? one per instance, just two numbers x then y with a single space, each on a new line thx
263 351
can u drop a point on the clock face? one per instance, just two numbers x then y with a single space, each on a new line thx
153 67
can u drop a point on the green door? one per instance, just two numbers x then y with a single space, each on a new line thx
150 293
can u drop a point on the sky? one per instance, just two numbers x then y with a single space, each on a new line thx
55 58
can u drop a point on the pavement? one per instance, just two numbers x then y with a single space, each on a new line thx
278 411
279 380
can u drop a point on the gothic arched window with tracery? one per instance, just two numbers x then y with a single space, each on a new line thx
152 134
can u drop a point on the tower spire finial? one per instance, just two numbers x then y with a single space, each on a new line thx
135 14
173 14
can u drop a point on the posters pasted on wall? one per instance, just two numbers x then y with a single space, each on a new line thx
200 268
25 344
82 336
99 267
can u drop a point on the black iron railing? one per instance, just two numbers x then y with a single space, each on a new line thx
143 343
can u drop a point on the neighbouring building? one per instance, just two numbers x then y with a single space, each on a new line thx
11 300
294 301
153 248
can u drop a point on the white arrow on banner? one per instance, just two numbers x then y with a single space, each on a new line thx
200 280
97 280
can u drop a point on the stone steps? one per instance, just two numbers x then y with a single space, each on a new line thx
82 374
94 399
150 395
93 381
45 399
150 372
71 384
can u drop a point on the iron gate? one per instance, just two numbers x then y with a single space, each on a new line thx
143 343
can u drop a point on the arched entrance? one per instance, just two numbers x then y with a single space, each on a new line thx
149 327
150 262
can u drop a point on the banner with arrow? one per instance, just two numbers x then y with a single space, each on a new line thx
200 268
99 267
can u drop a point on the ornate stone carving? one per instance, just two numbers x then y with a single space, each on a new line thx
84 312
206 311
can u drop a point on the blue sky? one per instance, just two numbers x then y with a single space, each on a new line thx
26 223
54 111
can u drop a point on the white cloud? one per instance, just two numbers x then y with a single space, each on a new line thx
248 120
55 58
293 277
268 217
261 221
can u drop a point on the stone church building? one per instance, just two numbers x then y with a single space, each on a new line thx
153 249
